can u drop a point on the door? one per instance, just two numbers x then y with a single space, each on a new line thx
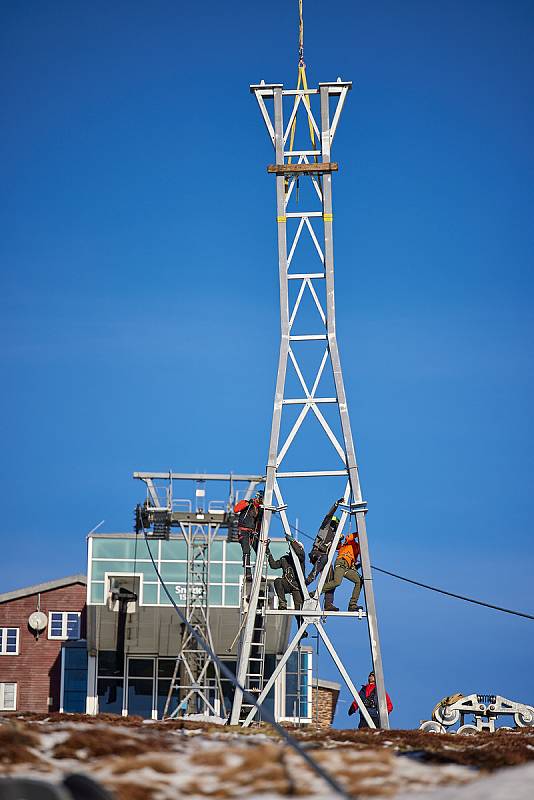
140 700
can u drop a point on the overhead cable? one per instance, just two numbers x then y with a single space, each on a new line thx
332 782
452 594
435 588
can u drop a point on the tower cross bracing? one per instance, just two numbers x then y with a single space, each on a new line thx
321 109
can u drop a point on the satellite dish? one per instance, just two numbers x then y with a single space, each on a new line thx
38 621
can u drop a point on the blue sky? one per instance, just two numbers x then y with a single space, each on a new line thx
139 292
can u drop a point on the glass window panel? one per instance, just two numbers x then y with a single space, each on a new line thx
234 552
119 548
141 667
233 572
73 626
178 593
97 593
231 595
107 663
174 550
216 550
9 696
161 699
11 640
297 706
150 594
140 697
99 568
56 624
110 692
147 571
166 667
174 572
278 549
216 573
129 567
215 595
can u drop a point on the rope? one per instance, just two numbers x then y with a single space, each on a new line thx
231 677
434 588
452 594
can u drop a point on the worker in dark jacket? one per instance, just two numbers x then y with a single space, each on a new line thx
321 544
249 519
369 696
289 582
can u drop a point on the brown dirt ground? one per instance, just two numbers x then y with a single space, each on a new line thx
485 751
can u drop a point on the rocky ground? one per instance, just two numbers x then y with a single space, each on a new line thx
140 760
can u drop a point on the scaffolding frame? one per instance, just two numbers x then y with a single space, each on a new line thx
291 165
196 677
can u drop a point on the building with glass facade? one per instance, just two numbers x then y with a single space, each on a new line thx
135 678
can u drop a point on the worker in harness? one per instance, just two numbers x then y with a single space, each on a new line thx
289 582
369 696
321 544
249 518
345 567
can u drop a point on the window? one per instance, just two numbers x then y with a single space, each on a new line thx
110 686
9 641
296 698
64 625
8 696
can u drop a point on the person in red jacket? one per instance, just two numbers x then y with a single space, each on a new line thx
369 696
249 518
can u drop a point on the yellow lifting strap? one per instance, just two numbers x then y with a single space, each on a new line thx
301 82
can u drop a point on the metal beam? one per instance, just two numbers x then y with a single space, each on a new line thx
198 476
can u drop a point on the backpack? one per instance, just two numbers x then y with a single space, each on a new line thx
326 532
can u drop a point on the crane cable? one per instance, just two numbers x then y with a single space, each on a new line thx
301 82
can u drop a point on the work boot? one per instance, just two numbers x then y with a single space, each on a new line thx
282 605
354 607
330 607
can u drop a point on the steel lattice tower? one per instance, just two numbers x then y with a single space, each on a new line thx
312 165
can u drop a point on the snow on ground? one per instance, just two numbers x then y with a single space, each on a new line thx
189 759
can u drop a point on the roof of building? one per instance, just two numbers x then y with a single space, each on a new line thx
324 684
42 587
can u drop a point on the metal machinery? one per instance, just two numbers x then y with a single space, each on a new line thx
485 708
321 109
196 677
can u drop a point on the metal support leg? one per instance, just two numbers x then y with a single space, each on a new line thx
344 674
279 667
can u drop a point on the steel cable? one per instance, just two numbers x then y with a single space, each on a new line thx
452 594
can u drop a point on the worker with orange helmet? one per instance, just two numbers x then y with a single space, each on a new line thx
345 567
